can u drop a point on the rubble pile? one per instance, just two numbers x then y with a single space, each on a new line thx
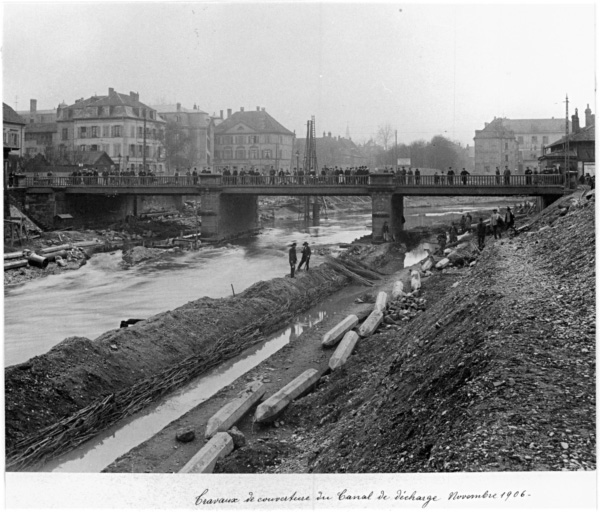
403 309
498 374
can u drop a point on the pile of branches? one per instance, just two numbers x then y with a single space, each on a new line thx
353 269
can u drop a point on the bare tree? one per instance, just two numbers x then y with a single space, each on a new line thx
384 136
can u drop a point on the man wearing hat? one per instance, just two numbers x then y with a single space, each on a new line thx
293 258
305 256
495 221
509 219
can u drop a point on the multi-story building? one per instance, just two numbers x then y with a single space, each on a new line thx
12 133
332 151
252 139
189 137
40 138
516 143
33 115
126 129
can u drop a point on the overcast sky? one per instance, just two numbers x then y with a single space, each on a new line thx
425 70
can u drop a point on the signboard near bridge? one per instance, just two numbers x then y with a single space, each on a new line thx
404 161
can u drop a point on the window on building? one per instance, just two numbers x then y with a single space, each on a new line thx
70 113
267 154
116 150
506 145
239 139
240 154
83 132
82 148
228 139
253 139
140 132
253 153
534 139
65 134
136 111
545 139
106 131
520 139
116 131
227 154
95 131
94 147
139 151
132 150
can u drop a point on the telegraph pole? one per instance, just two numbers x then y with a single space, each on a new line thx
396 150
144 148
566 140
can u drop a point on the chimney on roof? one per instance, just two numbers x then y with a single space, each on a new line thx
134 96
110 91
32 106
263 109
178 107
485 125
588 116
228 112
241 109
329 134
575 122
323 134
221 116
258 109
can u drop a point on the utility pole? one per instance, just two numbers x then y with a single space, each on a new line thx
566 140
396 150
144 148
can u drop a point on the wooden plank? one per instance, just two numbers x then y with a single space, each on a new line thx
344 350
231 413
334 335
271 407
204 461
370 324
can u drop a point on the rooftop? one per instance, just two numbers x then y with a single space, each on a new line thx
10 116
258 120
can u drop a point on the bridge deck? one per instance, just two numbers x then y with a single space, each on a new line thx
472 185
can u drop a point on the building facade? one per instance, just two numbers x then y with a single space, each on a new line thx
252 139
189 137
40 138
332 152
577 151
33 115
516 143
13 128
129 131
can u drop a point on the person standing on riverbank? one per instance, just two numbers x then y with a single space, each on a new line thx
305 256
293 258
481 227
385 231
509 220
495 221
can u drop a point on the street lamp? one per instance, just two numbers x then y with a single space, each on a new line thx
297 160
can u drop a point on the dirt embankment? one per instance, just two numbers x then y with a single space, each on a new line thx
497 375
81 374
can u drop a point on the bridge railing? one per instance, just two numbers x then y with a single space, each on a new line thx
515 180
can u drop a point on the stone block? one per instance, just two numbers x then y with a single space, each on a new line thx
381 301
370 324
343 351
204 461
334 335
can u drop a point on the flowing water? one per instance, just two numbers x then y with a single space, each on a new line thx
95 298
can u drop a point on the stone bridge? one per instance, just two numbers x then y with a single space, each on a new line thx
229 204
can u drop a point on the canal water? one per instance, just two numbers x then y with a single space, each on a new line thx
95 298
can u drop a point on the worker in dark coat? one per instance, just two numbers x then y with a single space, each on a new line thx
293 258
306 252
481 227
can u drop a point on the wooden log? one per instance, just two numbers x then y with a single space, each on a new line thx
334 335
427 264
397 290
56 248
89 243
204 461
381 301
231 413
370 324
13 255
344 350
271 407
14 264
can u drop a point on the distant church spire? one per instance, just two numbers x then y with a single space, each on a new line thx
347 130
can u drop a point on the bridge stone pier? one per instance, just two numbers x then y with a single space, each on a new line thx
228 215
388 208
